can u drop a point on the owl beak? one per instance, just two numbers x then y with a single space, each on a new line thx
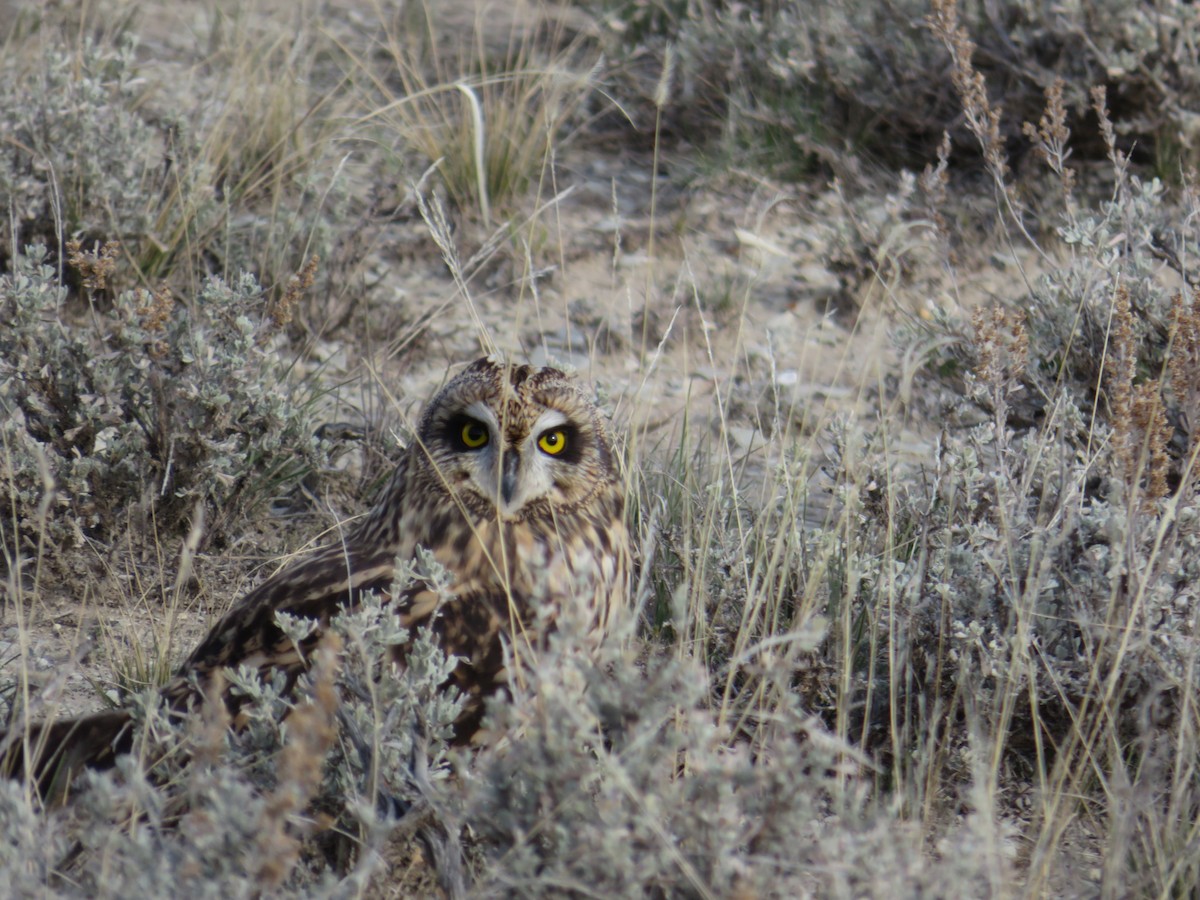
508 480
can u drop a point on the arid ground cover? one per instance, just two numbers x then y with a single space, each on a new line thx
894 309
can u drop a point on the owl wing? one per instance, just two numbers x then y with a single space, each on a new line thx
317 588
468 625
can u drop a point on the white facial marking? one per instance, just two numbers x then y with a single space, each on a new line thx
481 411
551 418
533 477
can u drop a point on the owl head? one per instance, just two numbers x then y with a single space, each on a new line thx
515 441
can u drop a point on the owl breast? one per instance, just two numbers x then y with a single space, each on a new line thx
515 584
531 574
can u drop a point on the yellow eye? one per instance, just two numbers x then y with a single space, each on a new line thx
553 442
474 435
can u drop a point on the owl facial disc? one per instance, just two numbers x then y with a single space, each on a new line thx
516 467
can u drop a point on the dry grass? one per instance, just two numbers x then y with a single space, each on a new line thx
915 610
489 108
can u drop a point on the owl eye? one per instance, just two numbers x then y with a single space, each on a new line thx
473 435
553 442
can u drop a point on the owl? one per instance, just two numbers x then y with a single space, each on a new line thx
511 484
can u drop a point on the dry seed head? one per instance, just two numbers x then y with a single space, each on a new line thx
311 732
1124 355
94 266
1051 135
1053 124
1001 342
156 308
1183 362
210 728
1100 104
281 311
153 312
934 182
663 88
1151 425
982 118
1141 431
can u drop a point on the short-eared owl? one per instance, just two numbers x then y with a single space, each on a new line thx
509 481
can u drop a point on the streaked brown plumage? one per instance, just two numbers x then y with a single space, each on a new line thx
510 482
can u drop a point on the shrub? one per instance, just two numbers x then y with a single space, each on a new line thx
143 411
211 811
621 780
788 81
1035 576
1059 512
80 158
